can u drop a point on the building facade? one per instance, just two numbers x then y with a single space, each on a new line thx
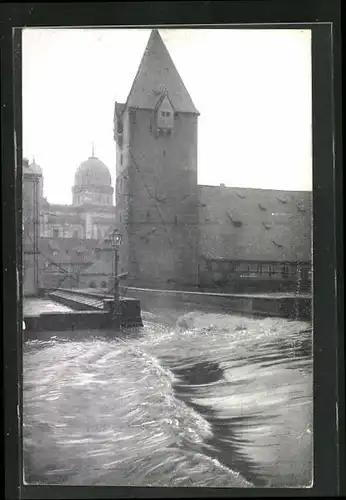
60 242
178 234
32 180
91 213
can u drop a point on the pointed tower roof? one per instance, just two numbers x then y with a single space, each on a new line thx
157 75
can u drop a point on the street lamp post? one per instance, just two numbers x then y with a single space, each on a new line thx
116 239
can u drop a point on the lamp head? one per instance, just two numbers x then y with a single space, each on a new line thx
115 238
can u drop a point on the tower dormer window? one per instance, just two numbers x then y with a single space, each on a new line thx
165 115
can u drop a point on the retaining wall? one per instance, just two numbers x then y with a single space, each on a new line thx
293 307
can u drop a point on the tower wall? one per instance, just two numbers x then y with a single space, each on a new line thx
158 200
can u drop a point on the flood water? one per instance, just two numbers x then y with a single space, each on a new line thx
190 399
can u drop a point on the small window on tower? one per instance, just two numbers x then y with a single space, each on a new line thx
165 116
121 159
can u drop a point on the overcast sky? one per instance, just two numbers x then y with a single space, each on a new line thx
252 88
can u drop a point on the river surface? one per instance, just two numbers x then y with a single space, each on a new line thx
193 399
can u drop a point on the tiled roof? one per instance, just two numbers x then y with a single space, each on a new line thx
255 224
157 74
68 250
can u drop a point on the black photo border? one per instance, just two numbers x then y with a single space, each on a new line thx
323 18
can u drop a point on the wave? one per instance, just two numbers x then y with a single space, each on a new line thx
107 414
189 401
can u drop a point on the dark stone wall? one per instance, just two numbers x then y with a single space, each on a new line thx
159 202
286 307
68 321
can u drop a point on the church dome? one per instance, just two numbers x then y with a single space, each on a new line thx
34 168
92 172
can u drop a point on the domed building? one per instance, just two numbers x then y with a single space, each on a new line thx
34 168
92 212
92 184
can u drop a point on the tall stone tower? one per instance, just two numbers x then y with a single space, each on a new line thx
156 188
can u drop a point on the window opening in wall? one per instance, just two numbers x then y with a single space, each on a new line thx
161 132
75 234
175 220
121 159
55 233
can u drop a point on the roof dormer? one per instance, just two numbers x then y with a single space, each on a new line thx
164 114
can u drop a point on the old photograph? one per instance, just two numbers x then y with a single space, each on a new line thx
167 257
